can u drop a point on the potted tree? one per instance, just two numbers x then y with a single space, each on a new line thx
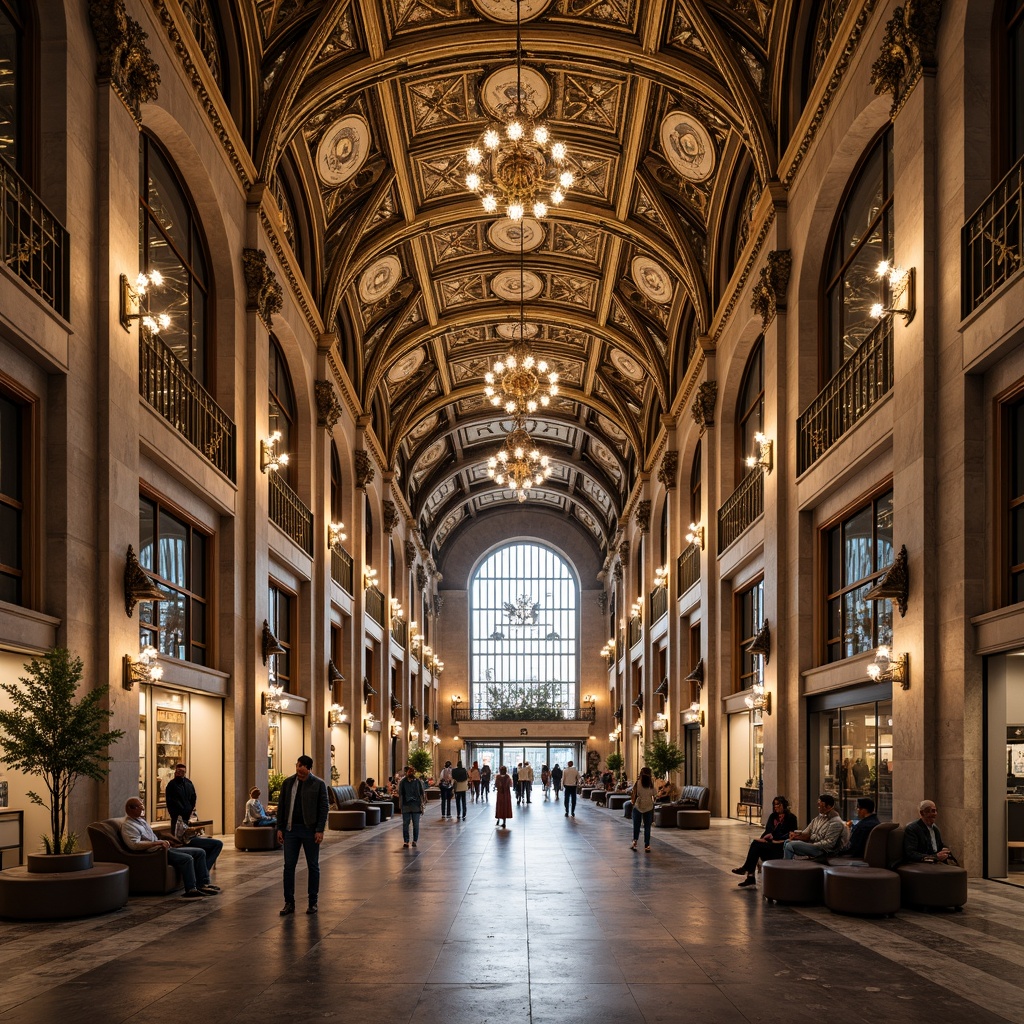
422 760
614 761
662 755
52 733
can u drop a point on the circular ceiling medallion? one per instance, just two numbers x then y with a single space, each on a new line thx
508 235
432 454
652 279
499 92
603 455
513 286
379 278
510 331
343 149
626 365
424 427
505 10
687 146
613 430
406 366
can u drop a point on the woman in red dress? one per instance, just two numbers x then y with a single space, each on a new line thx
503 805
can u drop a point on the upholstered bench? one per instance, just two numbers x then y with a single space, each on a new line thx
932 885
861 890
585 792
27 895
387 808
693 819
256 837
792 881
692 798
616 801
373 815
346 821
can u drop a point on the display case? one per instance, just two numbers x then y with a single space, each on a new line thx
12 838
169 736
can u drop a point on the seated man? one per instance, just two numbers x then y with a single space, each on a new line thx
188 861
922 840
824 835
368 791
866 821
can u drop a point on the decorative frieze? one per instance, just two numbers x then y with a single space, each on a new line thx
125 61
703 408
908 47
364 468
643 515
391 517
667 470
770 291
328 407
263 292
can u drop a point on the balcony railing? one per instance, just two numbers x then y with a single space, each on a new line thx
860 384
399 632
341 568
636 629
165 382
375 605
991 241
34 243
688 568
742 507
658 602
559 714
288 512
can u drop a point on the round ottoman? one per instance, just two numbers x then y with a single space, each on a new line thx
693 819
346 821
854 890
255 837
616 801
585 792
932 885
387 808
792 881
665 816
47 896
372 815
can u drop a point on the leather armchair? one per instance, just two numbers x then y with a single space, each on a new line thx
149 873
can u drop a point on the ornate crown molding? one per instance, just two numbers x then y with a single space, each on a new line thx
908 47
703 408
365 470
667 470
769 294
125 61
391 516
328 408
263 292
643 515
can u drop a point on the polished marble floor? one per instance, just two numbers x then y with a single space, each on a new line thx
554 920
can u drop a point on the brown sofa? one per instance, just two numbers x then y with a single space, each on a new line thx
692 798
149 874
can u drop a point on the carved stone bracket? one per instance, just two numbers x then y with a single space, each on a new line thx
643 515
667 470
392 517
770 291
364 469
421 578
908 47
125 61
703 408
263 292
410 552
328 407
624 555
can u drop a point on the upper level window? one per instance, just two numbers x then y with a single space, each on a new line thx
280 618
171 241
749 407
862 237
749 611
13 84
695 483
1013 501
12 498
337 515
523 628
282 407
176 553
1009 86
859 550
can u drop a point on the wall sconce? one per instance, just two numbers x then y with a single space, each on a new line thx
270 458
890 667
271 700
138 584
131 302
368 690
336 716
371 724
396 729
694 714
456 700
760 699
661 576
636 609
270 644
333 675
413 734
396 704
369 578
763 456
661 690
145 669
608 651
895 584
660 723
589 699
902 285
336 535
437 739
397 614
762 642
638 729
695 535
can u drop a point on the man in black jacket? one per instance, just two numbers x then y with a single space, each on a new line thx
922 840
181 803
301 820
866 821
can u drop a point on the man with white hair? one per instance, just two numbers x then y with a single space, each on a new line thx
922 840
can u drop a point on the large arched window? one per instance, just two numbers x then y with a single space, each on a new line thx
862 237
171 241
695 485
15 76
523 613
1008 88
282 407
750 407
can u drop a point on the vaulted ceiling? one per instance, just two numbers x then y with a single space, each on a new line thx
670 111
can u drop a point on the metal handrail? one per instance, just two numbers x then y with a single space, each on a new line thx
741 508
688 568
341 568
658 602
564 714
375 605
287 511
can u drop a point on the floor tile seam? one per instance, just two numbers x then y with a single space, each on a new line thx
946 928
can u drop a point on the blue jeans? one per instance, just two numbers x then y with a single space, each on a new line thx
414 817
190 863
800 848
570 799
460 802
211 847
446 802
301 837
647 817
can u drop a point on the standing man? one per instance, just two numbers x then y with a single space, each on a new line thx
460 779
556 780
485 781
922 840
570 779
301 820
446 785
526 781
181 803
412 797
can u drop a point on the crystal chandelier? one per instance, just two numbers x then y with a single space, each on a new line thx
516 163
519 465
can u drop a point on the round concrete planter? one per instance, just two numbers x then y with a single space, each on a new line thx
47 863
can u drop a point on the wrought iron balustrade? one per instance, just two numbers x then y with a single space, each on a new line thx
166 384
636 630
990 242
482 713
289 513
375 605
658 602
341 568
35 246
399 632
741 508
864 379
688 568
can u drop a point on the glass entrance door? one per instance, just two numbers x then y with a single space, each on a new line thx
538 755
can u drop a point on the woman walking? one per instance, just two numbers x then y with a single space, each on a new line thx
474 781
503 803
643 807
545 780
